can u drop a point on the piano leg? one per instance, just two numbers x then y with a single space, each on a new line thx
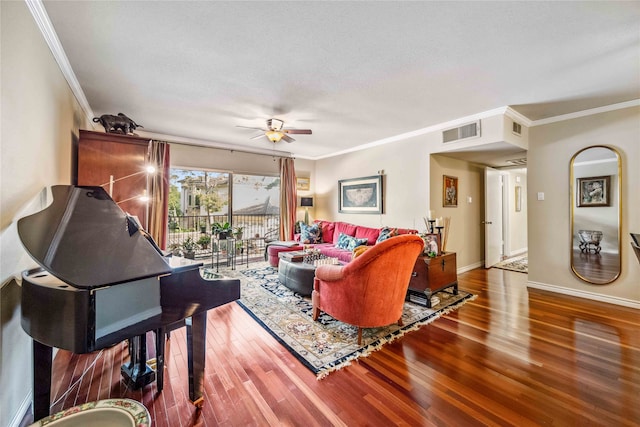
160 344
196 343
137 373
42 355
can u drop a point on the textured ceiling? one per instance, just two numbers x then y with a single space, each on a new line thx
354 72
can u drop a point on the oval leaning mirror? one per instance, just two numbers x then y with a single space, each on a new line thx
595 214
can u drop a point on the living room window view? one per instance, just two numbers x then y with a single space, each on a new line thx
320 214
203 203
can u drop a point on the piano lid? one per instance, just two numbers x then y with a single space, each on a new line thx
86 240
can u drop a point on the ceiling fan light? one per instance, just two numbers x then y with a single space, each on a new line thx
274 136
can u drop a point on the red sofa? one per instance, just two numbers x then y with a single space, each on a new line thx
330 231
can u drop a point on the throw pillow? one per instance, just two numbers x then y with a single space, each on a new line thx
309 233
343 241
354 242
349 243
359 251
386 232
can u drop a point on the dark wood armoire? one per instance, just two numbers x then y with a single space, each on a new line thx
100 155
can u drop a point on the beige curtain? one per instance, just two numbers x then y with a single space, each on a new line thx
288 198
158 156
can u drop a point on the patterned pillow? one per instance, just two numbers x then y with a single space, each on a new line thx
310 233
349 242
386 232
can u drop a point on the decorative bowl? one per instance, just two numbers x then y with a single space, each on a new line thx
590 236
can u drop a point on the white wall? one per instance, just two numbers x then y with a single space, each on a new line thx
551 147
40 120
517 242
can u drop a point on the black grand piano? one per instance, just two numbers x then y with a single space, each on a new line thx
103 280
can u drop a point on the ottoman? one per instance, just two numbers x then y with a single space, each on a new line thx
274 249
297 276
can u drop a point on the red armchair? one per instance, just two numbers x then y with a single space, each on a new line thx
369 291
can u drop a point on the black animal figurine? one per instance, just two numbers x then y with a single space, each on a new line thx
117 124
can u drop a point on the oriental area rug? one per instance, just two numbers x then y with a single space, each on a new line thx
518 263
326 345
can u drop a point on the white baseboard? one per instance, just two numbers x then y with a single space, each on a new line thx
23 410
470 267
584 294
519 251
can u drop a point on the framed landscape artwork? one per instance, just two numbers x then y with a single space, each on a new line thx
303 184
360 195
449 191
593 191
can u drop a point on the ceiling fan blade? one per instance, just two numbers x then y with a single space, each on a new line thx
260 135
298 131
249 127
287 138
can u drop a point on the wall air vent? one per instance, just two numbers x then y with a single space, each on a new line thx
518 162
517 128
471 130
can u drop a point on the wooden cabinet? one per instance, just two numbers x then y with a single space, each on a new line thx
100 155
431 275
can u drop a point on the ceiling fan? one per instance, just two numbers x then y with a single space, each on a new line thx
275 131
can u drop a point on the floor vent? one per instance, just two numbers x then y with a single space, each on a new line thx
471 130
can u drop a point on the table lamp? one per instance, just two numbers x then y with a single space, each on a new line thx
306 202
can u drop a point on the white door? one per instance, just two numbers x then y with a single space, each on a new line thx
492 217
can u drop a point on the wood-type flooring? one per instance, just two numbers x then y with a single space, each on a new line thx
514 356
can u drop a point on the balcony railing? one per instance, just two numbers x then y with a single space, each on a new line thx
257 230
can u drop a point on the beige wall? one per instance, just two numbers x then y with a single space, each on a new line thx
466 233
550 151
405 183
40 119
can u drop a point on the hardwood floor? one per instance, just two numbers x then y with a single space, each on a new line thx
511 357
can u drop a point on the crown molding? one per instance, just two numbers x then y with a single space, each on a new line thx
585 113
48 32
423 131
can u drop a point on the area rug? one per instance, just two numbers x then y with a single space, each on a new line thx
326 345
519 264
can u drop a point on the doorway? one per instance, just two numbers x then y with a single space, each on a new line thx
505 222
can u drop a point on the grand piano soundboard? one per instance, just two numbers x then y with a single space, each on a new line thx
102 280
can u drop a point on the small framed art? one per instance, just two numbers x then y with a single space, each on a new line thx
303 184
449 191
431 244
593 191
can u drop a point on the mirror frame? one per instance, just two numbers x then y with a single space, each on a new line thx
573 202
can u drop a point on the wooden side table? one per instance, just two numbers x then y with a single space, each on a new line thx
431 275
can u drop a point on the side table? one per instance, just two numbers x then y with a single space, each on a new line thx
431 275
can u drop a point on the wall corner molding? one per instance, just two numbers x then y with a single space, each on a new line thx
46 28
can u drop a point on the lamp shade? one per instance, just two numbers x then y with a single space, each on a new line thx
306 202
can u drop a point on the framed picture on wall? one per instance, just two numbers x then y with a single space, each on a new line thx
518 198
449 191
360 195
303 184
593 191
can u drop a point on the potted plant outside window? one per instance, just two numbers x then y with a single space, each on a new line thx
237 232
189 247
204 241
223 230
